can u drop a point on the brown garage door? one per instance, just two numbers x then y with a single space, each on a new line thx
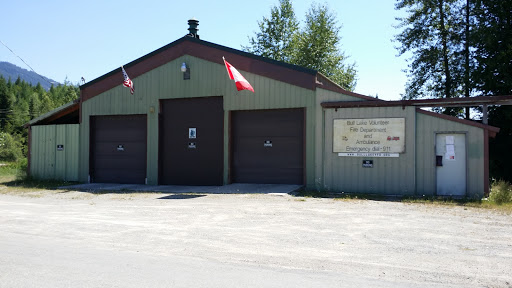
192 141
118 149
268 146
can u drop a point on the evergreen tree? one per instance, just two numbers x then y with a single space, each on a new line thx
493 75
18 118
39 89
9 83
46 104
33 107
70 93
468 67
6 104
493 47
431 31
318 47
275 39
315 47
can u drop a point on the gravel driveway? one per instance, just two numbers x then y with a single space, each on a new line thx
80 239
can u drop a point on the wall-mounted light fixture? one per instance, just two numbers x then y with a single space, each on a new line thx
186 71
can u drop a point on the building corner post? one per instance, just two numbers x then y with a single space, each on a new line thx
486 163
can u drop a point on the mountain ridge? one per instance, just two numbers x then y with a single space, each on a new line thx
10 70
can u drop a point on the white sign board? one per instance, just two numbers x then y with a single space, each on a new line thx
369 136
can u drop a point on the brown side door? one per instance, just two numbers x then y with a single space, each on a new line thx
268 146
118 149
192 141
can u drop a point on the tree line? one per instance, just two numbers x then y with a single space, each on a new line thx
21 102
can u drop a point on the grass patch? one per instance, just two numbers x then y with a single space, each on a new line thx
13 179
311 193
479 204
31 183
343 195
440 200
21 186
489 203
9 170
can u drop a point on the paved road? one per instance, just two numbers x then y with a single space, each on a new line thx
77 239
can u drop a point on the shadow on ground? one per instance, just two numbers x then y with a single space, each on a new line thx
182 196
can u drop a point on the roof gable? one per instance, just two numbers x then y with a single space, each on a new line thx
186 45
281 71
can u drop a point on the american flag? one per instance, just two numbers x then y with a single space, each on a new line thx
127 82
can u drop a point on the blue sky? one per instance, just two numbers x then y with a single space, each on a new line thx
74 39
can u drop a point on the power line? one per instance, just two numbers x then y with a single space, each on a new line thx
25 62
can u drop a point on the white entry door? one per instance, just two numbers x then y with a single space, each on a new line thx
451 164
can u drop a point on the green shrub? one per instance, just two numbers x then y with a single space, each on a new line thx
501 192
10 150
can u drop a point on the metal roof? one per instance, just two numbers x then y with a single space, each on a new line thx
64 109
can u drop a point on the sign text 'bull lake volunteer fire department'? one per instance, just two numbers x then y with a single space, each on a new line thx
370 137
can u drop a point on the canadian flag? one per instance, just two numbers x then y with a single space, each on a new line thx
240 81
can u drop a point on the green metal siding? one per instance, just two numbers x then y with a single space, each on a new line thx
323 95
427 127
389 175
207 79
46 161
414 172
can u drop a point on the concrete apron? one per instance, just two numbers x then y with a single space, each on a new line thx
238 188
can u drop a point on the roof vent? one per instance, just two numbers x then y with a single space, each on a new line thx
193 23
